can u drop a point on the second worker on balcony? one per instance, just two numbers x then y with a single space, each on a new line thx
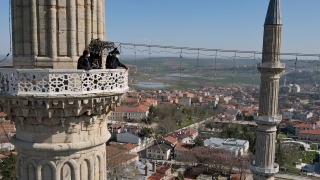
113 60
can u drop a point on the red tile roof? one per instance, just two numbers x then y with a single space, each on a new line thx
238 177
171 139
116 126
2 156
140 108
183 147
310 131
6 128
2 114
117 154
162 169
156 176
129 146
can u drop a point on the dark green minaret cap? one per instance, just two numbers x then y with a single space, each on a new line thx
274 16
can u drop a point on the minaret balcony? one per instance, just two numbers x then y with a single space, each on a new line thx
54 82
271 65
275 119
274 68
264 171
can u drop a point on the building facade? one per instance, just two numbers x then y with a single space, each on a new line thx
159 151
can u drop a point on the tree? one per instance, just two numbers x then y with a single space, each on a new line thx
167 125
287 154
7 167
153 111
180 176
198 141
147 132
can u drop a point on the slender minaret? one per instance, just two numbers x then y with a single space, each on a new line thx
264 167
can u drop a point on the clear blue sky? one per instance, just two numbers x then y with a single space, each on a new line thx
223 24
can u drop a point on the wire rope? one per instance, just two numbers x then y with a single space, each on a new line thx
215 69
253 68
180 69
150 79
234 67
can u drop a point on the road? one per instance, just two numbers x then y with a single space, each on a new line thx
253 123
293 176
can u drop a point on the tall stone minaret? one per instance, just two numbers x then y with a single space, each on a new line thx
60 112
264 167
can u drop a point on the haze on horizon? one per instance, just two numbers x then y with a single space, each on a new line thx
229 24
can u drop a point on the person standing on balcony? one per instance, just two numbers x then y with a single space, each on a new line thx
83 61
113 60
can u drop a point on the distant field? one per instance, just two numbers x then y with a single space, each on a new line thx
193 74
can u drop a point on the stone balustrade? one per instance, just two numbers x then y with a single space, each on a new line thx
48 82
271 65
267 171
275 118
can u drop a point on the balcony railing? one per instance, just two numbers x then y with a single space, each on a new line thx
275 118
269 171
271 65
60 81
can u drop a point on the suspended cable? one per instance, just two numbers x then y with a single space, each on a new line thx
166 53
219 50
234 68
316 82
180 70
150 69
295 70
197 73
215 69
253 67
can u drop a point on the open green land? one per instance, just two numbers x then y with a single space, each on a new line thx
193 73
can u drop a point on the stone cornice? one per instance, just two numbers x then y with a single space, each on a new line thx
59 146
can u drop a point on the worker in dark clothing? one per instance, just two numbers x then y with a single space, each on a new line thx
83 61
113 60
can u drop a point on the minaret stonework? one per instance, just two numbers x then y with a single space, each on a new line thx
264 167
53 33
60 113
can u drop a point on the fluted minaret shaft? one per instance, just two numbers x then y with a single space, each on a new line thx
271 43
54 33
264 167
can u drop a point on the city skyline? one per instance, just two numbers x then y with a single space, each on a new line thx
194 24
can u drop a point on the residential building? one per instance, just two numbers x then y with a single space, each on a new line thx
138 113
169 140
236 147
295 127
184 135
127 137
159 151
309 135
184 101
181 148
162 173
